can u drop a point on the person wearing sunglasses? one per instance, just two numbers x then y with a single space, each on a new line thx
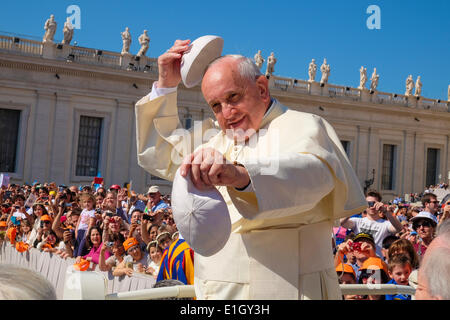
424 224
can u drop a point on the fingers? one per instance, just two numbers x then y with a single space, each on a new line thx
186 165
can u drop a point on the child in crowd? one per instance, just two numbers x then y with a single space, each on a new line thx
399 270
155 253
85 222
346 275
49 242
164 240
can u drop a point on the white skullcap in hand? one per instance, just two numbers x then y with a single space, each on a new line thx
201 217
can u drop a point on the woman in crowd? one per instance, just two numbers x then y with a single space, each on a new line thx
94 245
25 232
50 242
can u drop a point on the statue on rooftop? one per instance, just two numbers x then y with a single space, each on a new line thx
50 29
362 78
68 31
126 38
259 60
312 69
409 85
144 41
325 69
418 87
374 80
271 60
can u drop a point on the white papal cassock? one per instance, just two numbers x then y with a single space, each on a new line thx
301 181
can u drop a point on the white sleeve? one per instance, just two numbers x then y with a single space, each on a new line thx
158 92
300 182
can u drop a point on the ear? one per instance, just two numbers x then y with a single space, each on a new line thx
263 86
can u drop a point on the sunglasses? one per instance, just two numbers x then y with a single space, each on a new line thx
422 223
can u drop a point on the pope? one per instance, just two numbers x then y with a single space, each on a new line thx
282 173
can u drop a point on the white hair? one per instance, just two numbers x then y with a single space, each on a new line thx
17 283
436 270
246 66
443 231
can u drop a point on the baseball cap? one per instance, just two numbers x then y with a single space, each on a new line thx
153 189
363 235
375 263
201 216
345 267
130 242
115 186
46 217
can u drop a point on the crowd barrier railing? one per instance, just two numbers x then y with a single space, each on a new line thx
54 269
70 284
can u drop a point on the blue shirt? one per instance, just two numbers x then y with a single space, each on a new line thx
161 205
397 296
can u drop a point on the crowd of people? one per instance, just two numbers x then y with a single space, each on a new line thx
110 229
123 232
387 242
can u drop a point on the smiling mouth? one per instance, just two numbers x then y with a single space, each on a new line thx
235 124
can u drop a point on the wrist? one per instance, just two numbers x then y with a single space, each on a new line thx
243 178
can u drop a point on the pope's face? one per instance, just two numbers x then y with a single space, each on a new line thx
238 103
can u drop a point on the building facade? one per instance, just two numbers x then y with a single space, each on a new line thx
67 115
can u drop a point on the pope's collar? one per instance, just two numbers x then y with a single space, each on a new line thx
275 110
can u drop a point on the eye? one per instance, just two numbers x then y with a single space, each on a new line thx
216 107
234 97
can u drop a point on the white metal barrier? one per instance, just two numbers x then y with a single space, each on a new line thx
86 285
376 289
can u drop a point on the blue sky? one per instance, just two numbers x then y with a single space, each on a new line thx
414 37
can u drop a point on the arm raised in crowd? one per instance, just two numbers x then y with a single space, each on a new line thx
56 226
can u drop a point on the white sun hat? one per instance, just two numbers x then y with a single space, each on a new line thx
194 61
202 217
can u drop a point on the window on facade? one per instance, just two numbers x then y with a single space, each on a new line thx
9 135
387 173
432 166
88 154
346 145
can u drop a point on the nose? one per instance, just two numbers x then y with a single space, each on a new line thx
228 111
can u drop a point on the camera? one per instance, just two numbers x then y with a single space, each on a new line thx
356 246
108 213
147 217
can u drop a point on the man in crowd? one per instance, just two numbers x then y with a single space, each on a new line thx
155 202
290 206
373 223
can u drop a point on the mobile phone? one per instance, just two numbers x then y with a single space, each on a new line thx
109 244
68 204
109 214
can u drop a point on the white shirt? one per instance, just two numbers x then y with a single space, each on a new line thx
379 229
